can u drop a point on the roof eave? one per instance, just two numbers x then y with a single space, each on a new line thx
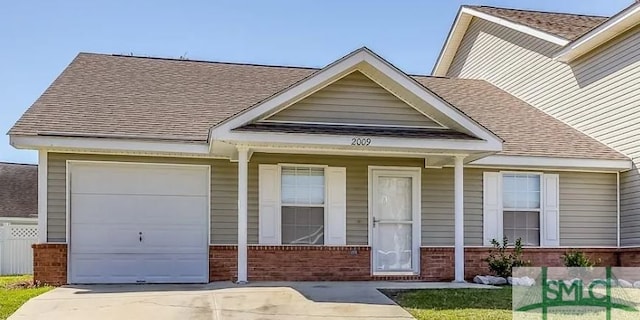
109 145
459 29
608 30
554 163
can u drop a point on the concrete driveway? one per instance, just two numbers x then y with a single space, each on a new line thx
264 301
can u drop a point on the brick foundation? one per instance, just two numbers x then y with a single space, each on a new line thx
50 263
629 257
331 263
437 264
293 263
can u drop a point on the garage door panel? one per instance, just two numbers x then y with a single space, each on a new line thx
174 210
187 267
96 268
105 209
112 208
111 204
105 238
141 179
176 239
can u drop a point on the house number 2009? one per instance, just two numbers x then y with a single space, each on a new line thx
360 141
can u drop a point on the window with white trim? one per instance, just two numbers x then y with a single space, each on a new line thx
302 205
521 207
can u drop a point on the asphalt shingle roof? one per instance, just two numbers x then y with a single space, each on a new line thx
18 190
106 95
565 25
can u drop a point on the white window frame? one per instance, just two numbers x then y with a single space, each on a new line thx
539 210
281 204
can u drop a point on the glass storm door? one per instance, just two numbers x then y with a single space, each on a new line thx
394 221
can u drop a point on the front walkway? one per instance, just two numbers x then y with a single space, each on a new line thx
224 300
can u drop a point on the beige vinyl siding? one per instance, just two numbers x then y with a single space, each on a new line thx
587 200
630 205
56 198
224 202
354 99
588 209
438 205
223 193
598 94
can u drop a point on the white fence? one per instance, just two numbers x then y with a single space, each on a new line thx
16 255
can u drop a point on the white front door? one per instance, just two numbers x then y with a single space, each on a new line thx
134 222
395 221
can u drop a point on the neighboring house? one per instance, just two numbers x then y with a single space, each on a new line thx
18 193
161 170
583 70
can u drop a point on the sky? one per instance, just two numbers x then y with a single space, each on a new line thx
40 38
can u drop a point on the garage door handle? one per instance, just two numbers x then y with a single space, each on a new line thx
140 233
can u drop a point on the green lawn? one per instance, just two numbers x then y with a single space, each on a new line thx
450 304
12 297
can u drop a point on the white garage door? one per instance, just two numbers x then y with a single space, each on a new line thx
138 223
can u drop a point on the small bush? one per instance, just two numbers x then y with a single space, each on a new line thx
575 258
502 259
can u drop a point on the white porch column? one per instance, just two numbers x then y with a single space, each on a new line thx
459 218
243 161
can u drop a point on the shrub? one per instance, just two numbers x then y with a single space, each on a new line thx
575 258
502 259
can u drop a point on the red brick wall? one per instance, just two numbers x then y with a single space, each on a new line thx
50 263
629 257
293 263
223 263
312 263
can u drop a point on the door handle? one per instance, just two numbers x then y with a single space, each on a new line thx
140 234
375 221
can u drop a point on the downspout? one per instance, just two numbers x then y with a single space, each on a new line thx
618 205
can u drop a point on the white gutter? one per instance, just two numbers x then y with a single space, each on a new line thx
554 163
108 144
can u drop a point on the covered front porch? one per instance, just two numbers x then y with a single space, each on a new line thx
371 217
332 170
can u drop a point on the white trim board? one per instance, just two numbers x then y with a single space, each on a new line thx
553 163
460 26
108 144
305 140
